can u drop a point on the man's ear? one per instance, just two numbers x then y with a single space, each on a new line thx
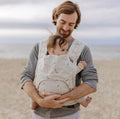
55 21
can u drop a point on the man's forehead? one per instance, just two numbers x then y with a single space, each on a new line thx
68 17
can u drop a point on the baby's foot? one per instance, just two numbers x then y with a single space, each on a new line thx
86 101
33 105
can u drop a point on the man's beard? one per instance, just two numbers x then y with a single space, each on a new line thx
64 35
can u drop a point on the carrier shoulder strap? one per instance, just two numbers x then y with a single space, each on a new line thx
75 50
42 48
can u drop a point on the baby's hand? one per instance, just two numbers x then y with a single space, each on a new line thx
83 63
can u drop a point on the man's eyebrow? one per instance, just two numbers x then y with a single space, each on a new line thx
62 20
72 23
65 21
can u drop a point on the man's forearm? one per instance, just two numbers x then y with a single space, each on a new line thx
78 92
31 91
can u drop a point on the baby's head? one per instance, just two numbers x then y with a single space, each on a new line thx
57 45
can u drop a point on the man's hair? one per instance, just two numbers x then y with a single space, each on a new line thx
52 41
66 7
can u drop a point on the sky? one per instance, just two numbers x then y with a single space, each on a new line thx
30 20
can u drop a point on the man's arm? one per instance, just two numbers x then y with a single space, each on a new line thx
89 78
31 91
78 92
28 73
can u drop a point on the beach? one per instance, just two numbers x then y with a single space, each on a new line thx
14 102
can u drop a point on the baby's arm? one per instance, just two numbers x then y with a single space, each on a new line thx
86 101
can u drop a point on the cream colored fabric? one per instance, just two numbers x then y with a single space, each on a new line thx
79 67
56 74
56 69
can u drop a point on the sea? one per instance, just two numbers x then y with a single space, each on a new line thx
22 51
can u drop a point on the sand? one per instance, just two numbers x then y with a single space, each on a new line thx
14 103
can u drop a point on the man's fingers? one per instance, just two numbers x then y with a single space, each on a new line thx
53 96
47 94
63 100
43 94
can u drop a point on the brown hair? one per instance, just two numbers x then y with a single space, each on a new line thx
52 40
66 7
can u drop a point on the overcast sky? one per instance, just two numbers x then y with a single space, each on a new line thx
100 18
93 11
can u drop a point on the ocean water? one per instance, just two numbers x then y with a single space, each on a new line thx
15 50
105 51
22 50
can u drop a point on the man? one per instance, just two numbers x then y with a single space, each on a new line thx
66 17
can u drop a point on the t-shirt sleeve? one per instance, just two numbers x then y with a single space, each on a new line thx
89 74
28 73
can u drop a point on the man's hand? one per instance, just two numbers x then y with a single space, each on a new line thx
50 101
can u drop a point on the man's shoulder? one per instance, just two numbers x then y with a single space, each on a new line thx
41 41
78 42
37 45
82 43
85 45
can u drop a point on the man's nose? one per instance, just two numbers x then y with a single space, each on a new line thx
65 27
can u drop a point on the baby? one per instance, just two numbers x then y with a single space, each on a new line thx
58 71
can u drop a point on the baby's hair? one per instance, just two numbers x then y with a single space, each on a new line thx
52 41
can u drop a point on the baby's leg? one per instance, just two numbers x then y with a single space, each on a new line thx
86 101
33 105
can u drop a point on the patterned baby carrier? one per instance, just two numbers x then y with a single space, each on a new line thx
73 53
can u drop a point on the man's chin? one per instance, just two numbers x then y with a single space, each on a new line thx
65 35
